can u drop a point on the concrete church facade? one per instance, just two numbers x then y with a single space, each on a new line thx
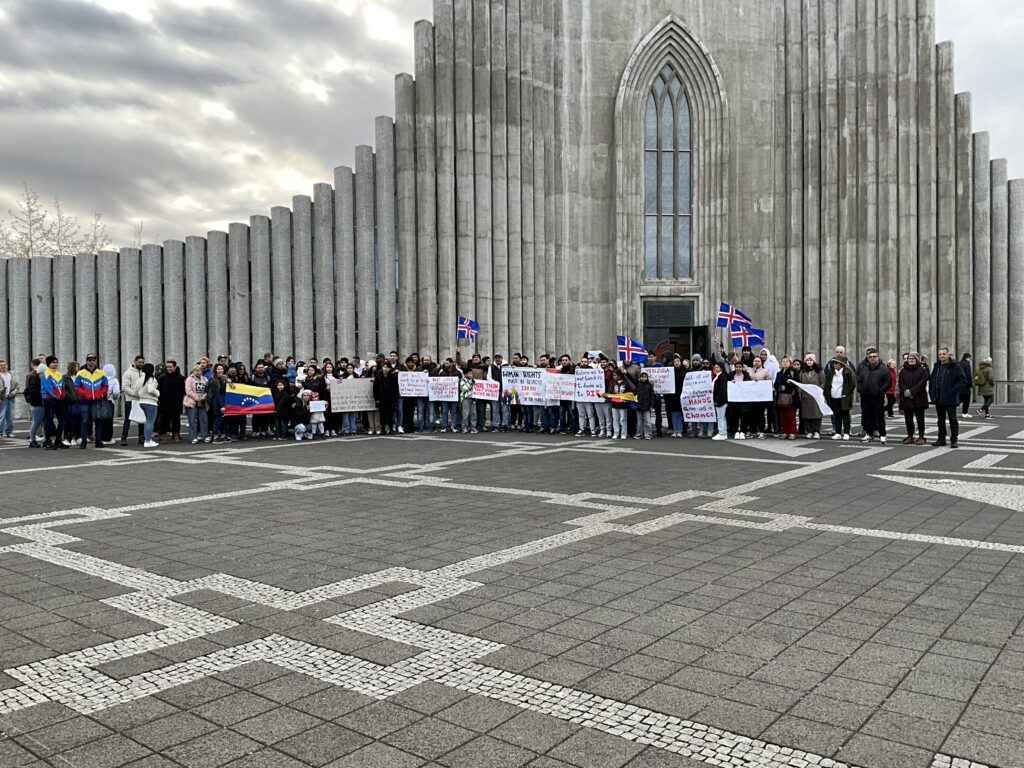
565 171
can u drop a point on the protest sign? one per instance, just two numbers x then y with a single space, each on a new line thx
413 383
751 392
559 386
352 395
663 379
589 385
523 386
486 390
444 389
816 392
697 398
317 406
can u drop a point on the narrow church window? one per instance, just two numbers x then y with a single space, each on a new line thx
667 197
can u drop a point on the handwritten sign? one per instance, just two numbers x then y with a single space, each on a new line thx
352 396
751 392
318 406
663 379
444 389
486 390
697 398
559 386
589 385
523 386
413 383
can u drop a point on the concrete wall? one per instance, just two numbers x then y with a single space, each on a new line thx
840 196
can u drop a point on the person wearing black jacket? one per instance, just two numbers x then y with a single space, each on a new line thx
945 388
673 404
644 403
169 406
261 422
787 397
33 392
967 364
385 395
720 397
873 381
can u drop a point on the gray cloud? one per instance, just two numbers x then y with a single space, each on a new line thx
201 115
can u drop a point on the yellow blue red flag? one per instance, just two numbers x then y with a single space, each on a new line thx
242 399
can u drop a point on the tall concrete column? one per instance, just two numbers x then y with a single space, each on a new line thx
552 151
174 303
811 296
323 271
281 280
86 314
482 177
794 183
426 191
829 245
539 152
345 250
41 278
261 289
444 109
888 178
909 337
1015 314
196 301
405 172
982 249
64 300
239 340
514 116
387 311
19 313
847 193
999 307
5 349
946 297
109 337
964 224
130 285
499 181
302 275
152 302
465 207
366 300
528 164
926 163
217 294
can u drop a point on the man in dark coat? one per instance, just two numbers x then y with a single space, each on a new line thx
966 363
945 387
172 395
873 379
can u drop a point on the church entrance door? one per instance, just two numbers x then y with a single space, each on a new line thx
670 327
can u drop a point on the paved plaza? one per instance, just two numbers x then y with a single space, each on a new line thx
496 601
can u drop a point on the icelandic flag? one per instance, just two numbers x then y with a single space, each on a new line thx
630 349
242 399
467 329
745 336
728 315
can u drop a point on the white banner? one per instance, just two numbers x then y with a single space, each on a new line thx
816 392
352 395
663 379
444 389
559 386
413 383
751 392
589 385
486 390
317 406
697 398
524 386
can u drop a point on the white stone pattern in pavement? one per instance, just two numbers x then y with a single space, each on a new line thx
446 657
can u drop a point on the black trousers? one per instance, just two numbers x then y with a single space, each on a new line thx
947 412
911 415
840 418
965 401
873 411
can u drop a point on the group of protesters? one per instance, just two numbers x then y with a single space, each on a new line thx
74 406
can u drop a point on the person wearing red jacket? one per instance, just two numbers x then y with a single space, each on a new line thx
890 393
92 386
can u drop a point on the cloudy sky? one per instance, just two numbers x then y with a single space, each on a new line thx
188 114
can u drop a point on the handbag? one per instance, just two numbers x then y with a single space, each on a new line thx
137 415
104 410
785 400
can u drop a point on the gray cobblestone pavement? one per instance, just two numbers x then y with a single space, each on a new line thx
515 600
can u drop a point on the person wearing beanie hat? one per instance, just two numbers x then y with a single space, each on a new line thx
986 384
912 388
811 375
840 384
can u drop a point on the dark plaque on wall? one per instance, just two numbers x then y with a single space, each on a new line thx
669 314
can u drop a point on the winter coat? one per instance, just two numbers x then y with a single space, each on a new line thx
172 392
968 370
216 391
299 412
33 390
912 379
149 391
783 384
987 388
849 386
672 402
947 383
760 374
195 392
893 377
385 389
130 383
644 395
873 381
720 390
808 405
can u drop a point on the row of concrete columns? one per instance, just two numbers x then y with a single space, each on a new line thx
900 228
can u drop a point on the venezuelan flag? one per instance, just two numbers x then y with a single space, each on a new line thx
242 399
623 397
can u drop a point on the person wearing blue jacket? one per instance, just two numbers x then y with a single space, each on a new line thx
945 387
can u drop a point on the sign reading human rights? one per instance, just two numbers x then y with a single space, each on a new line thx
523 386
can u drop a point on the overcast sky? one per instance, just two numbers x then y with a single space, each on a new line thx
189 114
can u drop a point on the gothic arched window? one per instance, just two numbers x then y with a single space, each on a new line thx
667 205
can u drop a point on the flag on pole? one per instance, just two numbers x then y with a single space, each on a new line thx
728 315
745 336
631 350
242 399
467 329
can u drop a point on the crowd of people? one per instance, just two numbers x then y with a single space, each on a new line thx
74 406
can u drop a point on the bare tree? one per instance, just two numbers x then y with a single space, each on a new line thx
35 230
138 239
96 239
65 231
30 226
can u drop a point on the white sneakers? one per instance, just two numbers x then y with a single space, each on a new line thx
150 444
719 436
846 436
740 436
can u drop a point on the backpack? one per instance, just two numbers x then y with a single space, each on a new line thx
979 378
